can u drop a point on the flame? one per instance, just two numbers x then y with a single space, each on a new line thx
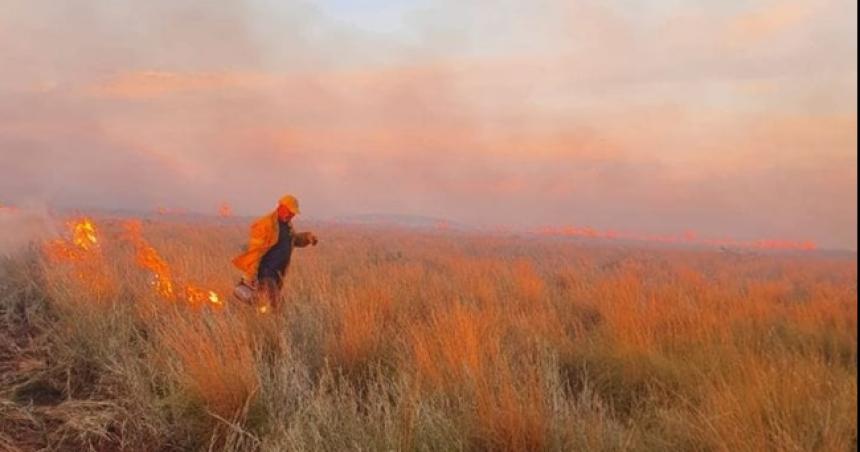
84 234
83 243
194 295
224 210
197 296
82 253
147 257
163 282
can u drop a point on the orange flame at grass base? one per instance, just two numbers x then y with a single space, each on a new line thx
84 234
196 295
83 243
147 257
82 252
163 283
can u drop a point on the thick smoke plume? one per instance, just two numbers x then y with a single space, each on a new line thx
729 118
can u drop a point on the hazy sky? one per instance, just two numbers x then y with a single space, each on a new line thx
727 118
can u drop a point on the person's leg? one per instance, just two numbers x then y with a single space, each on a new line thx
267 328
271 292
278 299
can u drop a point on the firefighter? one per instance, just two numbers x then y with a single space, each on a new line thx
270 247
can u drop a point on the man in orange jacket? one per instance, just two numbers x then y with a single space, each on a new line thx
270 247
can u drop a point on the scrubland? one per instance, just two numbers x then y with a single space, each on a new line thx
397 340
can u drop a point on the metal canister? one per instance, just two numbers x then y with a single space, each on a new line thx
243 292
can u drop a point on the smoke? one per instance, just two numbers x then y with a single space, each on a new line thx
22 226
724 117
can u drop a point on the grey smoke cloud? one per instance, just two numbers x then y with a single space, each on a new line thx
23 226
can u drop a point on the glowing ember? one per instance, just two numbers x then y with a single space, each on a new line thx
195 296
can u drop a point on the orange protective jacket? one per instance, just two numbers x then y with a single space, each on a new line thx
264 235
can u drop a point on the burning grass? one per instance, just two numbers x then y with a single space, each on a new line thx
116 337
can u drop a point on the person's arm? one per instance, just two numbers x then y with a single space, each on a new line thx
303 239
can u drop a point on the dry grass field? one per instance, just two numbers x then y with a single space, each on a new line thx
397 340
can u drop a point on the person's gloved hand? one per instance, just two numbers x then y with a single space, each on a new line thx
303 239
